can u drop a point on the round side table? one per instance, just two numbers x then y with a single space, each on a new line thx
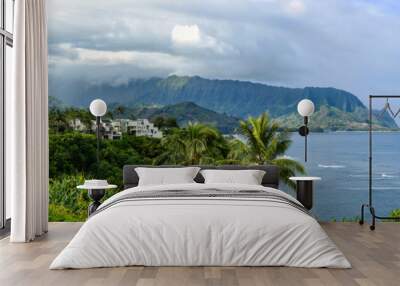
96 193
305 190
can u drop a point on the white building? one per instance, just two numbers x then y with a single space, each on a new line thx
109 129
77 125
140 127
113 129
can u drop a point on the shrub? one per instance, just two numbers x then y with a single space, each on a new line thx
395 213
66 202
60 213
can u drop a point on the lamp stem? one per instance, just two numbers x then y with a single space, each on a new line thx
305 148
305 138
98 139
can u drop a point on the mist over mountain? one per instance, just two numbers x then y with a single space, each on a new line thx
335 109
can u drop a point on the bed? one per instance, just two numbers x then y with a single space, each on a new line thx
197 224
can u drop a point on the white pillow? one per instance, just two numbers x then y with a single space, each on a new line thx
166 176
248 177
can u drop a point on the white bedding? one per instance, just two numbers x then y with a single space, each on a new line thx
200 231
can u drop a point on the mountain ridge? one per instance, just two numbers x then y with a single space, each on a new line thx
235 98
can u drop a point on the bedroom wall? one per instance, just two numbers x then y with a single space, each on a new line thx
216 63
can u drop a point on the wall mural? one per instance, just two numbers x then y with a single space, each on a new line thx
218 82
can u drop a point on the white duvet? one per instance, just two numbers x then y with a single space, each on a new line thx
199 231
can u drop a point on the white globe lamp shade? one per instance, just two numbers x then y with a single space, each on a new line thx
98 107
305 107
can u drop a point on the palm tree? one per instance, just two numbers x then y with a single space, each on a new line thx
238 152
194 144
120 110
267 145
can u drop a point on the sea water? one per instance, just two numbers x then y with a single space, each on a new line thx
341 160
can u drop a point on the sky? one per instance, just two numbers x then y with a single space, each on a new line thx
348 44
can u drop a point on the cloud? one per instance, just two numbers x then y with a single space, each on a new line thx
189 39
116 67
351 45
296 6
185 34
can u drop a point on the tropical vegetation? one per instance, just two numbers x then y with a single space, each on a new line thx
73 154
266 145
395 213
193 144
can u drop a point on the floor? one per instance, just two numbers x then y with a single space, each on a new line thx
375 257
5 231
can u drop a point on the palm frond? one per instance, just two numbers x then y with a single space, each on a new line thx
194 144
288 168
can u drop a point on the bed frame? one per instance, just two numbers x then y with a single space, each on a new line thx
270 179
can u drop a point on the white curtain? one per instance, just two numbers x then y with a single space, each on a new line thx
27 123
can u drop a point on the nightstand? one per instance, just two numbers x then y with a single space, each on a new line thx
96 193
305 190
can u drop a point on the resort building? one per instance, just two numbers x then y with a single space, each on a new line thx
77 125
109 129
140 127
113 129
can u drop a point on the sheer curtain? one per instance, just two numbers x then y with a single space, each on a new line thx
27 124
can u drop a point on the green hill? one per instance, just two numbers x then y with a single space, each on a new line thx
183 113
335 109
331 118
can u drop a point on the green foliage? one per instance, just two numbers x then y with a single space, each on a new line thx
61 213
331 118
192 145
165 122
181 114
66 202
59 119
238 152
71 153
266 145
119 110
58 122
395 213
75 153
186 112
73 157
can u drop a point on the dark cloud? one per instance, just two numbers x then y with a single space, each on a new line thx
353 45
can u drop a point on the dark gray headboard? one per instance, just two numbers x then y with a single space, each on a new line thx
271 178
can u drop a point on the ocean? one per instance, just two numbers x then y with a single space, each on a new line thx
341 160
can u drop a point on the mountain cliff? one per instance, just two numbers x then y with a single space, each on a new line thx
338 109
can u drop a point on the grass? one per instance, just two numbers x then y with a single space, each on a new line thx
61 213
